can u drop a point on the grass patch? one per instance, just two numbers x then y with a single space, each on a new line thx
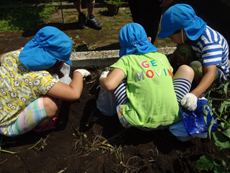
107 20
72 19
87 31
159 44
17 19
168 40
103 40
93 36
108 27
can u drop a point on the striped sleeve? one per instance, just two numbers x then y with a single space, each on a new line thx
212 54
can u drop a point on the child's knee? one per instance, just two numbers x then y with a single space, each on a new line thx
198 70
185 72
50 106
187 69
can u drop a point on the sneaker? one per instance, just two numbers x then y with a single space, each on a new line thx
81 21
49 126
92 22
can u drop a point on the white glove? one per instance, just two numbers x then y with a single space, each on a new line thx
189 101
65 71
104 74
84 72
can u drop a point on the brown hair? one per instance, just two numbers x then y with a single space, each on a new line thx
55 69
177 31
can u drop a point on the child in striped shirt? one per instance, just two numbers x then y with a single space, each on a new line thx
210 61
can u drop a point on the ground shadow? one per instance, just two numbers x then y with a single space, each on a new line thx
60 26
113 46
32 137
111 129
63 115
105 13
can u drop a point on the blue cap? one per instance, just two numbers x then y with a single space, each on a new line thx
181 16
133 40
48 45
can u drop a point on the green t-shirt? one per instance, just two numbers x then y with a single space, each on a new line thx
150 90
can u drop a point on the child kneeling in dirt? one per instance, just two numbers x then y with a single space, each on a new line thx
29 92
199 46
143 84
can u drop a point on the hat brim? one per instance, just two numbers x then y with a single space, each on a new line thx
195 30
164 34
69 62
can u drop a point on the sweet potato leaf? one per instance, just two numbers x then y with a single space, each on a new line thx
206 163
221 141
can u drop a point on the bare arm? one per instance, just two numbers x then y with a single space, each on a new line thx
69 92
110 82
206 81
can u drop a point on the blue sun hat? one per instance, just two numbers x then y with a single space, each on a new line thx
133 40
181 16
48 45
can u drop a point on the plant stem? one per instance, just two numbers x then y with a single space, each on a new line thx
38 142
218 115
6 151
217 99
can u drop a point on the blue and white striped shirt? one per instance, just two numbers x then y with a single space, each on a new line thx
213 49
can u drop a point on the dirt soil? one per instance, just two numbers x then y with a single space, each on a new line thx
86 39
87 141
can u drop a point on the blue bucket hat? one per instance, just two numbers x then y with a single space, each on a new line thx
48 45
133 40
181 16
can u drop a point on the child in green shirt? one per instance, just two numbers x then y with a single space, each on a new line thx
153 92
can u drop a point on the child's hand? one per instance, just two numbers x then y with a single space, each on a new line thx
104 74
84 72
189 101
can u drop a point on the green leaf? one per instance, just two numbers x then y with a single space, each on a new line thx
226 132
223 107
225 125
221 141
225 117
208 94
220 169
205 112
222 125
226 163
205 163
226 88
210 127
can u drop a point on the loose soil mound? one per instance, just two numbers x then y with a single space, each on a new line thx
87 141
